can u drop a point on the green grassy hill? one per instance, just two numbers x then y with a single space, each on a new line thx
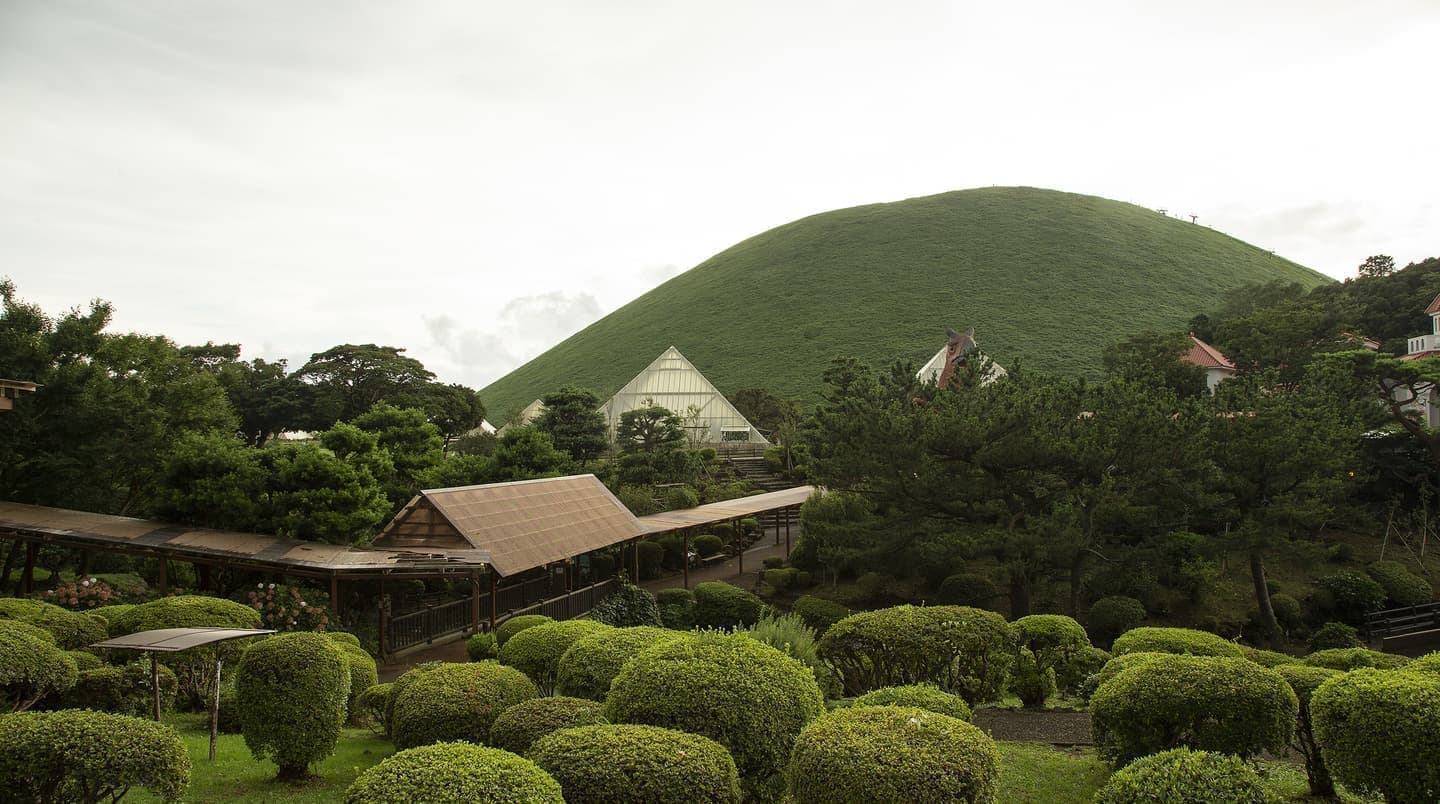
1047 279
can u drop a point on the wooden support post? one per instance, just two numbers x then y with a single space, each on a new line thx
202 572
569 575
475 601
383 614
164 579
214 709
155 684
777 526
787 533
635 561
494 602
27 576
335 595
739 543
685 557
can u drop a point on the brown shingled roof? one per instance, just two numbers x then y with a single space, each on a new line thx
1434 306
1206 356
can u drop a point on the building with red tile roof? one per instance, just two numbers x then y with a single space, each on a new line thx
1217 366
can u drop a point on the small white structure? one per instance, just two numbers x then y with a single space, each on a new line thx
530 413
956 351
1217 366
672 382
1427 402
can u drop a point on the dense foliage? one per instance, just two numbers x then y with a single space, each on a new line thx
1174 640
722 605
677 608
84 756
628 605
536 651
515 625
1304 681
1354 659
518 726
71 629
611 764
587 667
1182 776
123 690
455 702
1114 615
31 666
454 773
291 691
1402 587
819 613
919 696
1377 731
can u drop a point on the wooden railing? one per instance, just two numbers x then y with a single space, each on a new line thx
570 605
1395 622
425 626
428 624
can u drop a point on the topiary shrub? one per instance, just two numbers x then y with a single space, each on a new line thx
195 668
457 701
819 613
1212 703
515 625
1378 731
79 755
121 690
720 605
364 673
790 635
345 637
525 722
1304 681
85 660
920 696
708 544
1402 587
1429 663
1112 616
1268 658
1182 776
1031 681
290 694
71 629
967 589
748 696
588 666
1354 659
1335 635
110 612
454 772
892 753
1288 612
1113 667
628 605
536 651
369 710
965 650
1185 641
1073 679
637 763
1349 595
651 558
1056 644
481 647
677 608
406 679
31 666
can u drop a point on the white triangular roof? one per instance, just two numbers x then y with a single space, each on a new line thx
930 372
531 412
674 383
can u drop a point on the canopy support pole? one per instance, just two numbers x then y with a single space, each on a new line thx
494 599
685 556
787 533
475 601
739 545
214 708
155 683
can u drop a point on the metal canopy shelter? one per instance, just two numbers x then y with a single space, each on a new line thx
174 640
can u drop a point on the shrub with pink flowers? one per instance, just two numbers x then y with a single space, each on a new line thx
82 593
290 608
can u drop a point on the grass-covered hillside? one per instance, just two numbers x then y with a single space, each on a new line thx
1047 278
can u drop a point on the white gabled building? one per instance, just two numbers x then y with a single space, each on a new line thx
672 382
956 351
1217 366
1427 400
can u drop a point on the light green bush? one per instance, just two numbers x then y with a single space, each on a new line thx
1304 681
515 625
481 647
1109 617
589 665
71 629
364 673
454 773
1185 641
458 701
369 710
1402 587
1378 730
31 666
290 693
84 756
1354 659
919 696
518 726
819 613
536 651
1057 645
892 754
1268 658
1221 704
1183 776
195 668
637 763
720 605
84 660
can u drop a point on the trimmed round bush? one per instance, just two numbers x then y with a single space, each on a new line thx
721 605
1429 663
364 673
1057 644
31 666
740 692
536 651
1182 776
1355 658
819 613
515 625
454 773
1109 617
1335 635
628 605
1351 595
1378 731
708 544
1074 678
1288 612
967 589
84 660
1212 703
1304 681
398 685
892 753
1268 658
346 638
482 647
185 611
121 690
71 629
370 707
290 692
1113 667
623 763
1184 641
965 650
110 612
587 667
920 696
457 701
677 608
1402 587
80 755
525 722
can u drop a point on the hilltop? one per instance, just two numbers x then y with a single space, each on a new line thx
1047 278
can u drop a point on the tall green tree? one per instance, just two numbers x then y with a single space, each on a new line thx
573 420
1155 360
312 494
212 480
414 446
349 379
524 453
454 408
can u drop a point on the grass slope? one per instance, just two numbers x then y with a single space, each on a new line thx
1047 278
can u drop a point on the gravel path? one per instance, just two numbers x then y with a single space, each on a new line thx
1054 727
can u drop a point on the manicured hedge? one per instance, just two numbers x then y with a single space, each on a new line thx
1182 776
370 707
71 629
1402 587
454 773
965 650
1268 658
185 611
1429 663
1186 641
515 625
342 636
587 667
744 694
721 605
629 605
290 692
1378 730
1304 681
1355 659
919 696
482 647
1109 617
364 673
1212 703
525 722
31 666
456 702
1113 667
708 544
819 613
536 651
406 679
892 754
967 589
121 690
80 755
85 660
677 608
1056 645
621 763
1335 635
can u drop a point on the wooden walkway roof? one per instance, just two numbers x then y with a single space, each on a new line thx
725 510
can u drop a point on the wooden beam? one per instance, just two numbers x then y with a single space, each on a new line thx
685 556
475 601
494 602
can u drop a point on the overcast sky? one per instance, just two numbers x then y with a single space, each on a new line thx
475 181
